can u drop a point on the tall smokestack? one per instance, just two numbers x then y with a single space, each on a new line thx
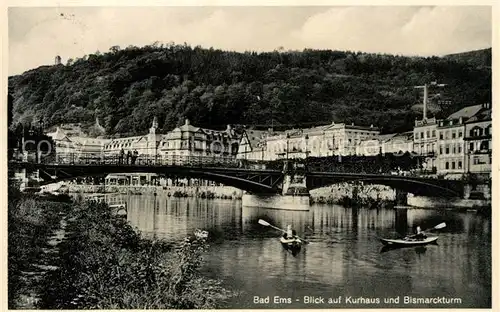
425 101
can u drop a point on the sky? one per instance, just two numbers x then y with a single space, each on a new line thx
37 35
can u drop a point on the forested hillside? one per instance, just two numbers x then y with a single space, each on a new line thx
125 88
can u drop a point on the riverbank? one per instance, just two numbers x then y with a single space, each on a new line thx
101 262
32 223
457 203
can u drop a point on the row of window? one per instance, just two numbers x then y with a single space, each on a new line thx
426 134
454 165
476 131
446 134
425 148
483 146
452 134
450 149
458 165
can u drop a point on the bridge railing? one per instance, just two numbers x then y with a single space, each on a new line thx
145 160
360 165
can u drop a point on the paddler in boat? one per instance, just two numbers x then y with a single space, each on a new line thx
420 235
290 234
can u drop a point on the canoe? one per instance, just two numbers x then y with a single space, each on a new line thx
408 242
293 245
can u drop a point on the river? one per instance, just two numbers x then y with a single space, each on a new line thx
344 260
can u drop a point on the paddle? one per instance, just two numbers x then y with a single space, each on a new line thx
264 223
437 227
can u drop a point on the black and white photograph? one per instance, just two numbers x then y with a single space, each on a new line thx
249 156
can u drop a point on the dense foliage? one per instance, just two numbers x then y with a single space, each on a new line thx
126 87
106 264
102 262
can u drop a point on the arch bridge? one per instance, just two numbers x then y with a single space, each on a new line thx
257 178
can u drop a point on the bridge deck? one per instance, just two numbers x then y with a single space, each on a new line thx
252 176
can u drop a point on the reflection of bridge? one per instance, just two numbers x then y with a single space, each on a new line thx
230 172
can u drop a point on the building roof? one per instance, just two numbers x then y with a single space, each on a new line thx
408 135
256 138
318 128
385 137
355 127
59 135
466 112
483 115
187 127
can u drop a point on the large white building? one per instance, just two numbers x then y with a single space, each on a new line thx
181 142
147 144
188 140
322 141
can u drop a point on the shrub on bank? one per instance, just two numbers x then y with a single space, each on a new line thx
105 264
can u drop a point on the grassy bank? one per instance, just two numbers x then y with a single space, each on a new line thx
102 262
30 221
105 264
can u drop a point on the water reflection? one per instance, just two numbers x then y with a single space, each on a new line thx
343 259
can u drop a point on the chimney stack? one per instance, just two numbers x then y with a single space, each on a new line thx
425 102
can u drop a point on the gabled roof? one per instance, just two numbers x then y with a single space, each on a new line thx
188 128
59 135
483 115
256 138
466 112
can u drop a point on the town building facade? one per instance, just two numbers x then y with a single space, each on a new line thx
425 141
321 141
394 143
188 140
478 142
450 159
465 142
253 145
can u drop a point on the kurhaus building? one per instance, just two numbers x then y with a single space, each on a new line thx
186 140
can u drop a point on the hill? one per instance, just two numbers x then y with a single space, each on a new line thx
125 88
480 58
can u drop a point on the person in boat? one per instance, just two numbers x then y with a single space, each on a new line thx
420 235
290 234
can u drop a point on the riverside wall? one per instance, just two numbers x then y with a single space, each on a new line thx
337 192
177 191
435 202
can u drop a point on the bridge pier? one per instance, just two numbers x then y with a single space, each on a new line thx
294 195
401 198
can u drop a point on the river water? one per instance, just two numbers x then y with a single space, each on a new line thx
344 262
